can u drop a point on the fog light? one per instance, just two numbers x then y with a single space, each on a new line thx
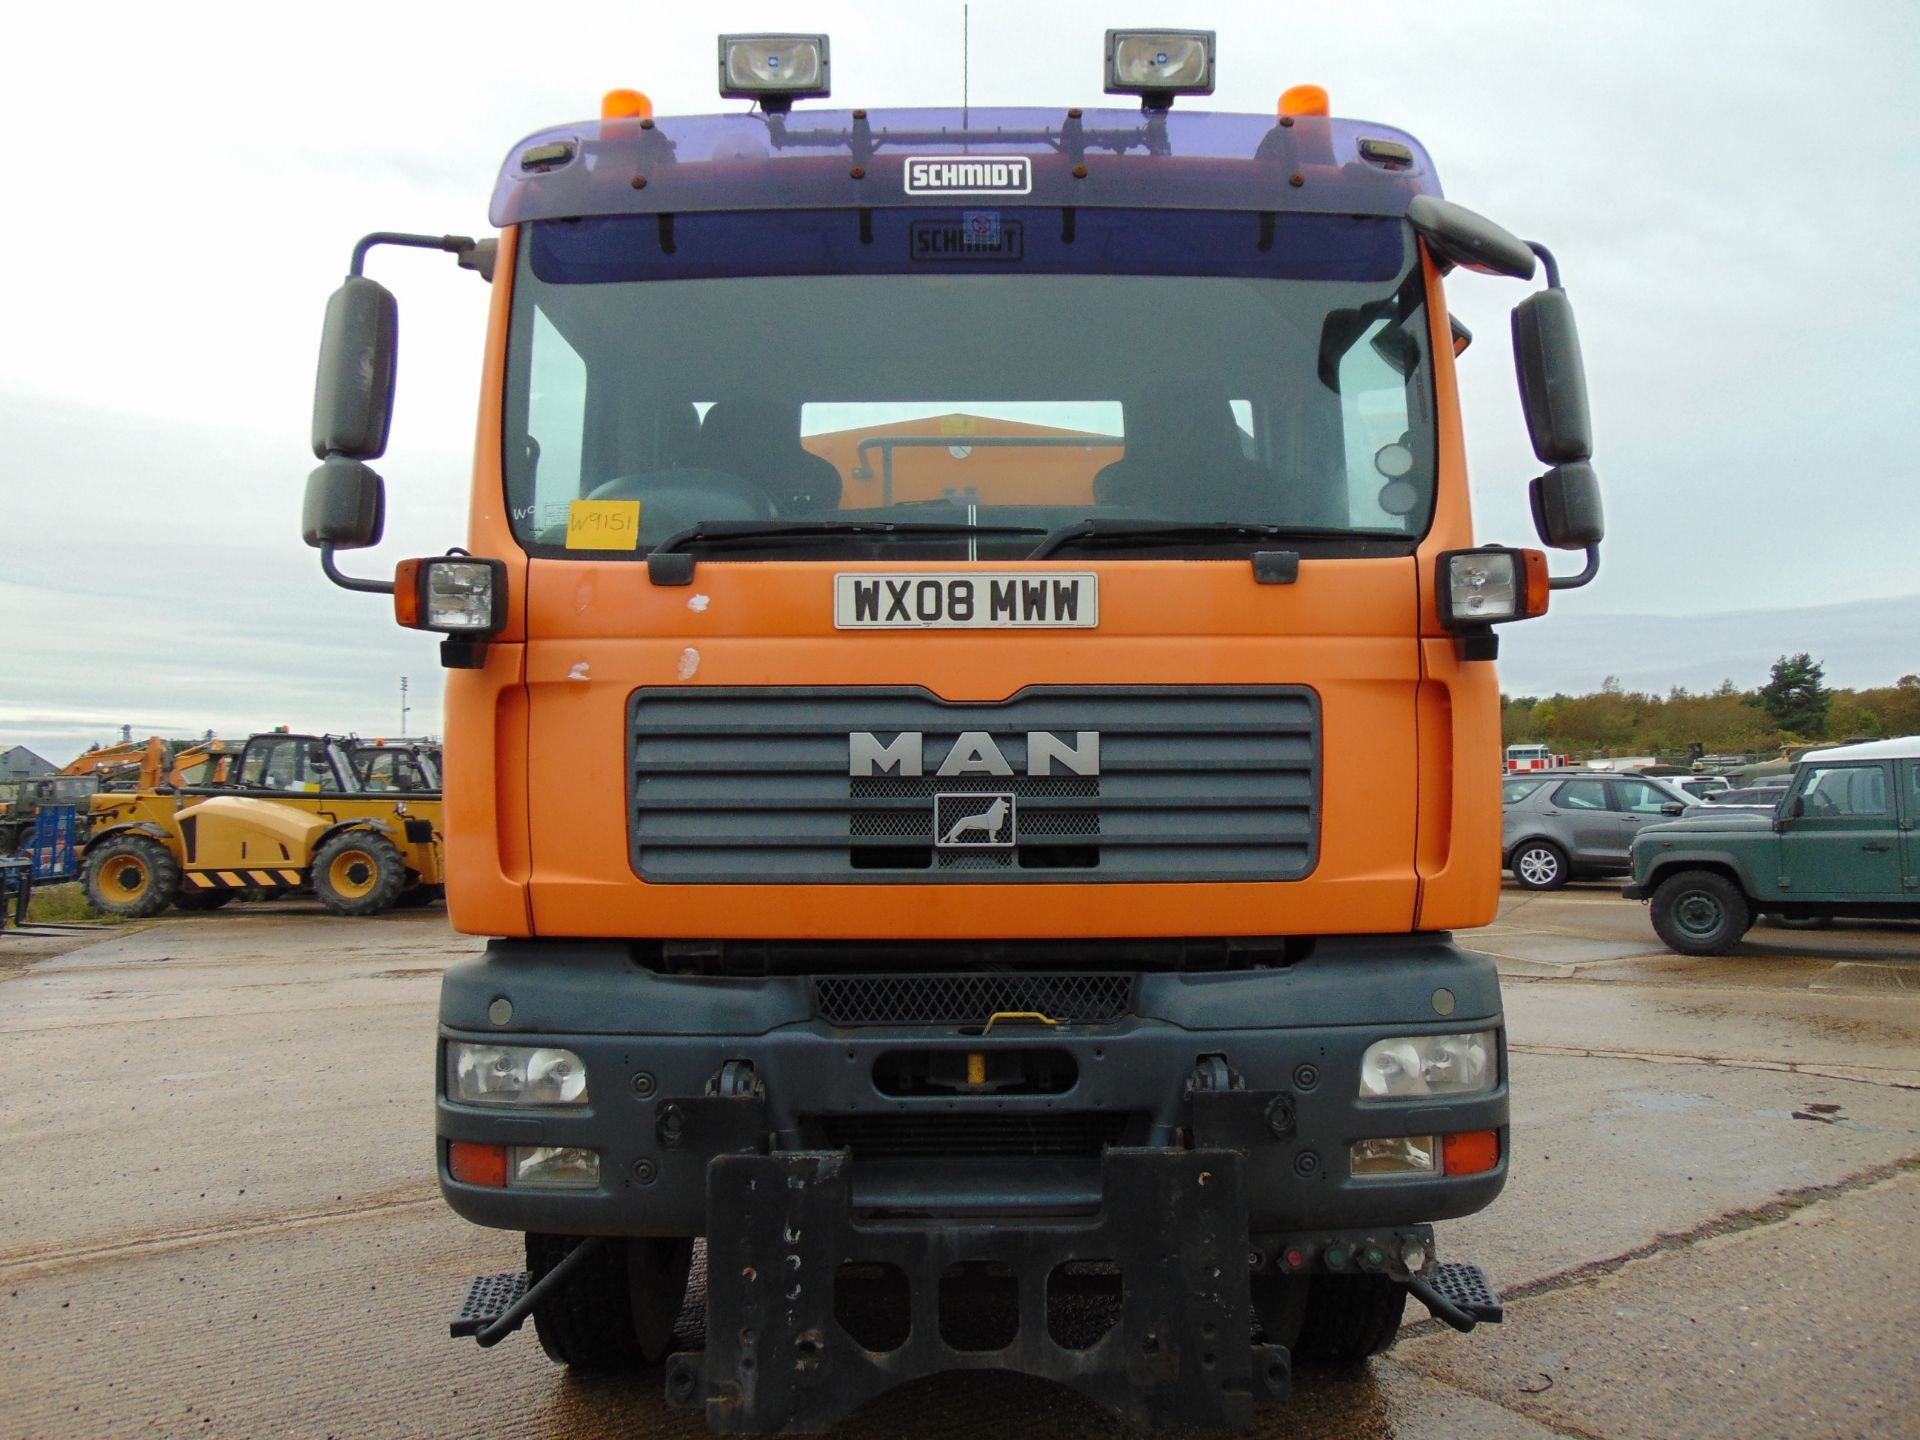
1157 65
1486 587
515 1075
1395 1155
555 1167
455 596
776 70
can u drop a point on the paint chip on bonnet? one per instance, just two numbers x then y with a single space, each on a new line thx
698 603
580 672
689 662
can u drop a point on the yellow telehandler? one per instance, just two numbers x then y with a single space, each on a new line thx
294 814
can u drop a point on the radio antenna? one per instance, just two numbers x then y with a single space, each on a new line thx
966 92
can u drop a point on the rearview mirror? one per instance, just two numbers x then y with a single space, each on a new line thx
353 391
1673 807
1459 236
1566 507
346 505
1553 380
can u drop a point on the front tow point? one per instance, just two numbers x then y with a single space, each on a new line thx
1458 1295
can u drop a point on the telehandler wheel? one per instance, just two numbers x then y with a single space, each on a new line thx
202 899
132 875
358 872
618 1312
1698 912
1349 1317
420 896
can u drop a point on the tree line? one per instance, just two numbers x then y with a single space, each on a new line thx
1794 707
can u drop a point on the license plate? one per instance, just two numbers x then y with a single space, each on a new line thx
977 600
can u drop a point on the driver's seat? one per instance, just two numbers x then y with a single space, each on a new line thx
759 439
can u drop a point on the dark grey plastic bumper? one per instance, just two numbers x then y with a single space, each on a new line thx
654 1045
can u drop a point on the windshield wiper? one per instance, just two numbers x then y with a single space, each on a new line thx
1176 532
669 564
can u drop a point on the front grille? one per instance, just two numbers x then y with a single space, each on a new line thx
969 999
1195 783
1059 1133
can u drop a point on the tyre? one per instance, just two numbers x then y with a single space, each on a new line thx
202 899
359 872
132 875
1699 912
1349 1317
1280 1305
1539 865
420 896
618 1311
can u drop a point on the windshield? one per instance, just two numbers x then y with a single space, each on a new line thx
1016 370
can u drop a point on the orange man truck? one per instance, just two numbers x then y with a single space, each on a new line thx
1011 929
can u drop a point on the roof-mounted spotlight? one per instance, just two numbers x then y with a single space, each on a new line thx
1157 65
775 70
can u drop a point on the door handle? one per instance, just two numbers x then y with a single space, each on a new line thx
1877 849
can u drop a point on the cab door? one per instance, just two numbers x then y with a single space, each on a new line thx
1838 833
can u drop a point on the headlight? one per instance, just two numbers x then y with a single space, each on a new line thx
1414 1065
515 1075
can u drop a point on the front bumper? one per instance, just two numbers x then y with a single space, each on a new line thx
1262 1061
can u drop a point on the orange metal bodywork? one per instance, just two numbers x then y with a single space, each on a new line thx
536 800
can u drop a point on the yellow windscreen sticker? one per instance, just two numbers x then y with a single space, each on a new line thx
603 525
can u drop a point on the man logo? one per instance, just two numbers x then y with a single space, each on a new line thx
973 820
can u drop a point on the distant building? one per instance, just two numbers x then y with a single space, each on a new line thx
19 763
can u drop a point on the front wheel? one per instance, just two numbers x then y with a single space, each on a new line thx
618 1310
1699 912
1539 865
132 875
359 873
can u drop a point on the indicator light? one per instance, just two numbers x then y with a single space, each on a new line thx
625 105
1305 100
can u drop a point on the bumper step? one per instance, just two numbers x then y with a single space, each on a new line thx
488 1298
1459 1295
1468 1287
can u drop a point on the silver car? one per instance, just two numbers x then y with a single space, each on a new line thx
1564 825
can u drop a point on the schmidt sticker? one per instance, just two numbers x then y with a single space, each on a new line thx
978 235
1000 175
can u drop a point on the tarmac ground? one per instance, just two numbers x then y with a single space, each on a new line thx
219 1215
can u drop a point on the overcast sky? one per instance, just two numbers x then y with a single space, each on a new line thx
1730 188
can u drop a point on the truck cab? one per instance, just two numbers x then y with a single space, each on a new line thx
1002 588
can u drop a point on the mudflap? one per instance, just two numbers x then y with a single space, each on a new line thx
781 1227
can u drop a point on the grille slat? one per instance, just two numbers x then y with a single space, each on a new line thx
970 998
1195 783
1068 1133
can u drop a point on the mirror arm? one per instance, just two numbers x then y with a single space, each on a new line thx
1585 577
1547 261
452 244
348 582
